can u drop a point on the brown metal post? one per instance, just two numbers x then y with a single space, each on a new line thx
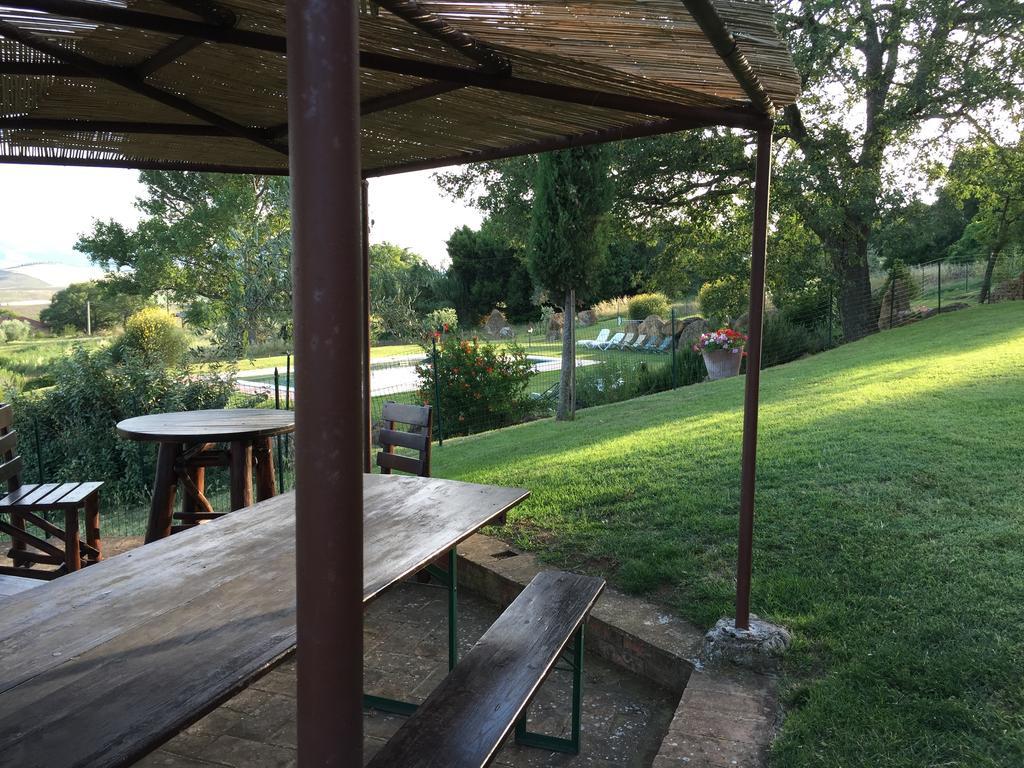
323 111
367 398
751 393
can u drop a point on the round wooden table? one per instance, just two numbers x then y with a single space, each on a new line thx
188 445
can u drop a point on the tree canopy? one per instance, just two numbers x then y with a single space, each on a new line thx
219 244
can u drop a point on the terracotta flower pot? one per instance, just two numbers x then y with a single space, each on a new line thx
722 363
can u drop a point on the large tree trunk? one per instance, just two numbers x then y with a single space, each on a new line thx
856 309
567 383
985 294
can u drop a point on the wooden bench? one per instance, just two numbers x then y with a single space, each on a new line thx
463 723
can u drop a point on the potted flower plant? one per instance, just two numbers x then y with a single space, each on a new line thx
722 351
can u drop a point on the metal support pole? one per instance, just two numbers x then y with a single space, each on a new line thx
759 247
437 392
673 332
323 120
939 273
367 397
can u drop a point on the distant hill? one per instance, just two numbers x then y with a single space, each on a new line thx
18 281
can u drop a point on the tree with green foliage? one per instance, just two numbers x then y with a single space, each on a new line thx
403 289
487 271
219 244
568 241
990 178
873 75
103 302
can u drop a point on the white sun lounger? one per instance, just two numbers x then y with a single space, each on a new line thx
602 337
613 340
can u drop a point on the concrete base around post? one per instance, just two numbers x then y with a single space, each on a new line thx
759 648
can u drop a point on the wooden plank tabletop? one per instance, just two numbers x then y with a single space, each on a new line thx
213 426
102 665
12 585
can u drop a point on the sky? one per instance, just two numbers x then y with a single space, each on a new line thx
44 209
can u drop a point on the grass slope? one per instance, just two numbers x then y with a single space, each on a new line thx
890 522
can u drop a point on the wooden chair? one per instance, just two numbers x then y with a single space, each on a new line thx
421 419
25 505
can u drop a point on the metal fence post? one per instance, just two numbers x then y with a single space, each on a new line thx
939 265
831 304
277 440
892 293
673 332
437 392
287 403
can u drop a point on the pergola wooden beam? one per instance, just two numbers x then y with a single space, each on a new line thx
408 96
737 117
650 128
714 28
132 82
211 12
142 164
154 22
110 126
430 23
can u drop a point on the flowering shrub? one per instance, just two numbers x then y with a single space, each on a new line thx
723 338
480 386
444 318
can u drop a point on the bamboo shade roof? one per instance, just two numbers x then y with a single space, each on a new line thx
201 84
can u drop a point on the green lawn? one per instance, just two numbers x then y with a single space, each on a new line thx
890 529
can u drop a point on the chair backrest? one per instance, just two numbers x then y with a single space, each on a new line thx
616 338
665 343
603 335
628 340
421 419
639 341
12 464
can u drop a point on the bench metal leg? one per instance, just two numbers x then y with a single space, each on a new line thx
451 581
556 743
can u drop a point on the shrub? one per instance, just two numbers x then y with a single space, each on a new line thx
15 330
644 304
154 335
443 319
810 307
481 386
12 384
723 299
782 340
75 420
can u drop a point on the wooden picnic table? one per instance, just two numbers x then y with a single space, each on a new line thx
188 445
101 666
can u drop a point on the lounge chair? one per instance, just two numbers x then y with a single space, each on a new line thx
652 344
665 346
625 342
638 342
613 340
594 343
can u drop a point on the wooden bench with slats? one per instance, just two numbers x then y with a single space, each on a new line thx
463 723
32 504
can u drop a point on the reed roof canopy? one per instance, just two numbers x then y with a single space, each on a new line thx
202 84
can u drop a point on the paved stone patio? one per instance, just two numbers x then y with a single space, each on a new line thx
625 717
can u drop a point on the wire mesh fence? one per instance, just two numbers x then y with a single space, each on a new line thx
473 387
